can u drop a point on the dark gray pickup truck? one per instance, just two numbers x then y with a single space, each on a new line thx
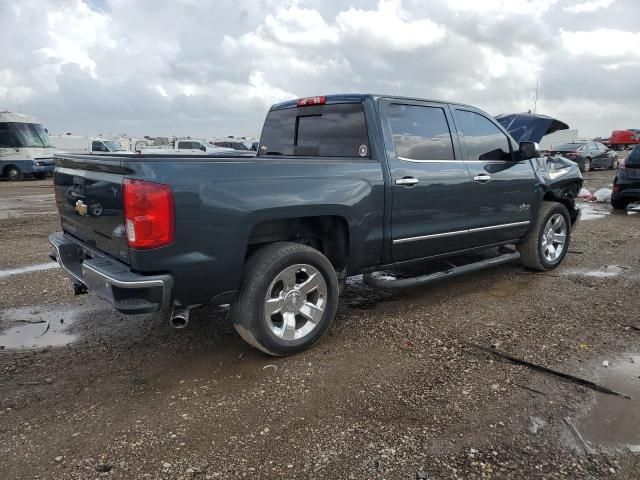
341 185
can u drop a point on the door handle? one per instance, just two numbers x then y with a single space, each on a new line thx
407 181
482 178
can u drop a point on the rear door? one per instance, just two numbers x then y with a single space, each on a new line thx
503 191
429 180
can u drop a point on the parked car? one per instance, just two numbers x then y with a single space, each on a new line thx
187 146
588 155
233 144
81 144
626 185
342 185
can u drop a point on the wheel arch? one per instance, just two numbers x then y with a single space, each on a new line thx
565 195
327 233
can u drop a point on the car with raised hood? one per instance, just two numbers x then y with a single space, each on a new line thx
626 185
341 185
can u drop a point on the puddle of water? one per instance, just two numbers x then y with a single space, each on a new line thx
614 422
19 206
594 211
608 271
30 268
36 328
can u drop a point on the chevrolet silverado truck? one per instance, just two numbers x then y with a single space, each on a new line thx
341 185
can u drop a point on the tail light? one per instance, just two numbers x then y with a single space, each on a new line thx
148 214
571 154
303 102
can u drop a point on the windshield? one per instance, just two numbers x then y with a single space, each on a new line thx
31 135
113 146
568 147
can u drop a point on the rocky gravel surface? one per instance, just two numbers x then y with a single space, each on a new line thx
393 391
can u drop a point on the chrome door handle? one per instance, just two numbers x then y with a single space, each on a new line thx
407 181
482 178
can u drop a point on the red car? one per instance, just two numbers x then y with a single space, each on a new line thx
621 139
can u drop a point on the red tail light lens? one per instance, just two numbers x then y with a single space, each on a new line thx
303 102
148 214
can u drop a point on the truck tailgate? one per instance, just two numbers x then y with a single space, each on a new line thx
89 200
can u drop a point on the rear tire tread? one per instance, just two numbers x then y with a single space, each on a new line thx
243 309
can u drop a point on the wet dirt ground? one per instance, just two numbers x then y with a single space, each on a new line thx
393 391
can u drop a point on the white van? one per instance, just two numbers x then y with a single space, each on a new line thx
84 145
24 147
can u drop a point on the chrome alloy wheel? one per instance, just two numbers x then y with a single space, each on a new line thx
295 302
554 238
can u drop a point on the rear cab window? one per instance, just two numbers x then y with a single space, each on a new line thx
330 130
420 133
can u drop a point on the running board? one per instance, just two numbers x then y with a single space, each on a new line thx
372 281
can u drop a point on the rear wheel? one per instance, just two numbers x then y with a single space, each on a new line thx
614 164
14 173
287 300
547 243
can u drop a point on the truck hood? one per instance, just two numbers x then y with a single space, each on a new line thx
527 127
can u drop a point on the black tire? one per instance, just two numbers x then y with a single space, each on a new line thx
586 165
39 176
263 268
614 164
14 173
619 203
531 255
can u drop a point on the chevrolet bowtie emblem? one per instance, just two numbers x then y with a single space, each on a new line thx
81 207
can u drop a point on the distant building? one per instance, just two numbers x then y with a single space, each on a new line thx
550 141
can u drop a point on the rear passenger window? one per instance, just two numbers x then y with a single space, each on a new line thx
484 141
336 130
185 146
420 133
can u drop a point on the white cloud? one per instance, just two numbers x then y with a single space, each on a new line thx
603 42
74 32
592 6
388 27
504 7
215 66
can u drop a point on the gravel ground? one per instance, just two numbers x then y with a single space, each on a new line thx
393 391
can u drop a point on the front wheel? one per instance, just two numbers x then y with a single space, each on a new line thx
546 245
14 173
586 166
288 298
39 176
615 164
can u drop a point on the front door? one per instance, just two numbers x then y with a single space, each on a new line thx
429 180
503 191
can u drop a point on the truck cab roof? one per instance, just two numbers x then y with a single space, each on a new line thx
354 98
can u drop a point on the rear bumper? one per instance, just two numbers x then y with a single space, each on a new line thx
110 279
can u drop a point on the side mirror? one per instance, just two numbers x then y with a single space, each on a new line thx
529 150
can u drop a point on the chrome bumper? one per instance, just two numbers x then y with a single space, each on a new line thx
110 279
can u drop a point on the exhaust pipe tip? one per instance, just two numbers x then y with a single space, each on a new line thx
179 318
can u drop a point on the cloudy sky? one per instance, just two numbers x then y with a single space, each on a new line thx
212 68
